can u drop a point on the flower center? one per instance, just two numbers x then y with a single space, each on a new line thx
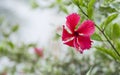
76 33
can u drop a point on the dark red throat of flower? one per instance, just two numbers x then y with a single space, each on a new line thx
76 33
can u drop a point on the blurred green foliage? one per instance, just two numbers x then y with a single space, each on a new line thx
15 51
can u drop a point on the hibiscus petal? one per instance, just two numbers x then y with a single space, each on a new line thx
65 34
70 43
72 21
76 44
84 42
87 28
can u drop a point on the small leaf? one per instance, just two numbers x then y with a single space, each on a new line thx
31 45
6 35
51 5
96 37
76 2
1 47
116 5
34 4
116 31
10 44
108 20
108 52
80 2
15 28
57 36
108 31
108 9
58 1
63 9
90 8
118 45
89 72
1 20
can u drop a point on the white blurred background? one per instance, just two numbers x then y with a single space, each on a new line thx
36 24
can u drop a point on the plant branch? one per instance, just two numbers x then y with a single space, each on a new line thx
101 32
83 12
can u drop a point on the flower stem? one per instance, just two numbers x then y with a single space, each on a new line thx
101 32
108 41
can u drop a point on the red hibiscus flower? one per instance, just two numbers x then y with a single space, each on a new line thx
39 51
77 36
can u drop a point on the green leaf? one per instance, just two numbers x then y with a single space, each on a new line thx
116 5
31 45
106 2
108 31
96 37
34 4
108 52
108 20
6 35
107 9
51 5
63 9
15 28
116 31
58 1
1 47
10 44
117 43
89 72
78 2
90 8
57 36
1 20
